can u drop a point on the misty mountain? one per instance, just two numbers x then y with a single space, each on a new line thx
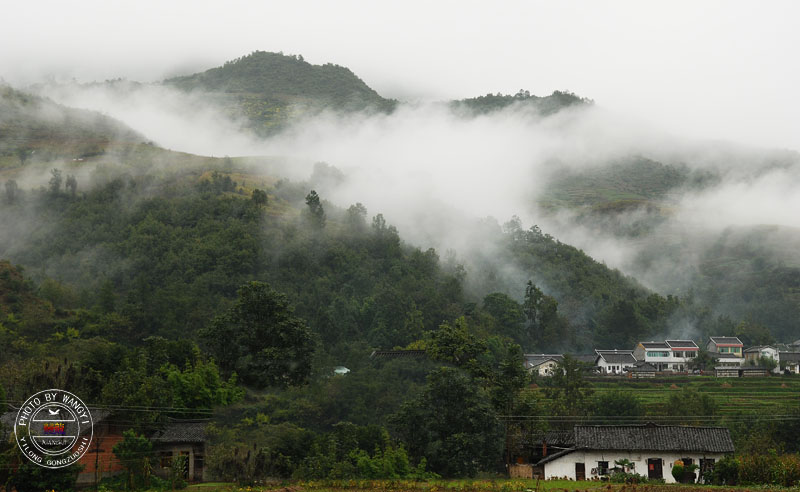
627 198
38 129
545 105
743 271
269 88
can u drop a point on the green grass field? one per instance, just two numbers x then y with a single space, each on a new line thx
733 395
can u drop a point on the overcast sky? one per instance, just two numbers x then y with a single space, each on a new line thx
713 69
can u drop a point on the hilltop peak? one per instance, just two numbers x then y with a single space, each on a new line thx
268 88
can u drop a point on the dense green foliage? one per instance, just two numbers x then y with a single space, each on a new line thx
260 339
758 469
134 453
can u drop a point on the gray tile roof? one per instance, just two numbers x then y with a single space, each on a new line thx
643 366
617 356
726 341
533 360
757 348
789 356
177 432
551 457
394 354
655 345
652 437
724 355
681 343
554 438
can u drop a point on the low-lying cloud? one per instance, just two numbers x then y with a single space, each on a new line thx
436 175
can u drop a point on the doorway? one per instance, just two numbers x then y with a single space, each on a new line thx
580 471
654 468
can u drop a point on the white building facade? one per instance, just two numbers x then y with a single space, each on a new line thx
652 450
614 361
542 364
669 355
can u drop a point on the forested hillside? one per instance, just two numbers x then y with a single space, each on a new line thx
33 128
745 272
270 88
202 287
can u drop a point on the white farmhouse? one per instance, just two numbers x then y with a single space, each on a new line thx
652 449
542 364
614 361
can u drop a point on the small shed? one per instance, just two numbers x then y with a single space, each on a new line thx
182 438
642 370
726 372
754 372
790 362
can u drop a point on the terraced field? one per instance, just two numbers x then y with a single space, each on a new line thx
772 395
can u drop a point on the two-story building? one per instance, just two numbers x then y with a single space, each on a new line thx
725 345
727 353
669 355
657 354
752 354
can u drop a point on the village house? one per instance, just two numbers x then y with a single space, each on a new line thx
181 438
789 362
614 361
669 355
726 352
656 354
753 355
650 448
731 346
542 364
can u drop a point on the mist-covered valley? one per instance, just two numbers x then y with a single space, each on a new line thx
707 219
345 264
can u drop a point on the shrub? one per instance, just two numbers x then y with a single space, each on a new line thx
677 471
